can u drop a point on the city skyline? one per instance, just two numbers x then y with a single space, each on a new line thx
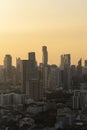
27 25
44 58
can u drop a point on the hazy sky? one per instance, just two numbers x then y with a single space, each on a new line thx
27 25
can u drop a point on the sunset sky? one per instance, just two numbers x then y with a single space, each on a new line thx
27 25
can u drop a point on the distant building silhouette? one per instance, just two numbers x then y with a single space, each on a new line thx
79 71
85 67
73 75
54 78
85 63
46 68
24 64
32 85
8 68
65 71
18 70
45 55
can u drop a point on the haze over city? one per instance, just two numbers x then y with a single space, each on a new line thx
43 64
26 25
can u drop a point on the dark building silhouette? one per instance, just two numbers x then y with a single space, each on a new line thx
18 70
73 75
45 55
8 68
79 71
65 71
53 78
32 85
85 63
45 68
24 64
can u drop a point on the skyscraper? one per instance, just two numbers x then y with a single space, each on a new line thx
32 66
45 67
34 86
62 62
24 64
85 63
85 67
53 78
18 70
67 60
79 71
31 56
8 67
65 67
45 55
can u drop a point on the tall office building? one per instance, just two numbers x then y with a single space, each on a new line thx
62 62
85 67
34 86
54 79
45 67
65 71
32 66
8 67
18 70
67 78
67 60
85 63
79 71
45 55
31 56
24 64
73 75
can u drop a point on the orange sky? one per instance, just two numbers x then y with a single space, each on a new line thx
27 25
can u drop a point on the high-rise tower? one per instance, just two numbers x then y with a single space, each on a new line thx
8 67
65 70
45 55
18 70
31 56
